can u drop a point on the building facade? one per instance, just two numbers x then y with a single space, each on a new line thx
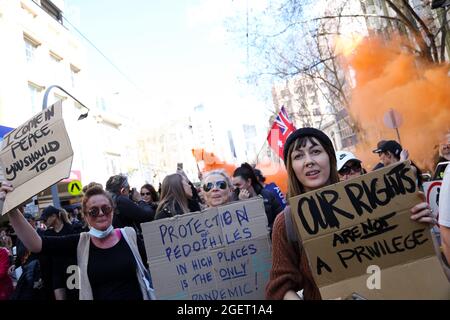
39 51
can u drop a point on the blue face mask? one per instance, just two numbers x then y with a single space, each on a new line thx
100 234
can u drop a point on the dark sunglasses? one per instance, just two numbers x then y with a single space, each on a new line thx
219 184
95 211
145 193
347 169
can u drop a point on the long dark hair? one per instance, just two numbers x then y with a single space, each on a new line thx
295 187
172 192
246 172
153 193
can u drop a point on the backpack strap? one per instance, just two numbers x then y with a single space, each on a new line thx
289 225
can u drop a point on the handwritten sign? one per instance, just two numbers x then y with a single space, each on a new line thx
363 222
221 253
35 155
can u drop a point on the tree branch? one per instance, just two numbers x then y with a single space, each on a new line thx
415 31
443 36
425 29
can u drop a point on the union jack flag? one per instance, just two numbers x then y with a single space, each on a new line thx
282 127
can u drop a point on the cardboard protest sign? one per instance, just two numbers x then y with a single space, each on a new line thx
35 156
364 224
221 253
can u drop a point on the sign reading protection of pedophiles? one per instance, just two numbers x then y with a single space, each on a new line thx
361 230
35 156
221 253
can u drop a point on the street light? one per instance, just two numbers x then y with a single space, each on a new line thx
44 102
82 116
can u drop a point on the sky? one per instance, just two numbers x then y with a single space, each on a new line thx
177 53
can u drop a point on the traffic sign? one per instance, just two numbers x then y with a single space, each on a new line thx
432 190
392 119
74 187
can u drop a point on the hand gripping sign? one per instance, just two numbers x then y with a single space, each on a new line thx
353 228
221 253
35 156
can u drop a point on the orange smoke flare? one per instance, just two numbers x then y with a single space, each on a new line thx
389 77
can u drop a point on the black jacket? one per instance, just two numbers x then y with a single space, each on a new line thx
150 208
166 212
129 214
271 206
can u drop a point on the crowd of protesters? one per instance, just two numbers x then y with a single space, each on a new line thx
103 236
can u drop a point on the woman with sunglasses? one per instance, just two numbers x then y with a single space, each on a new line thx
310 162
108 259
348 166
216 188
149 200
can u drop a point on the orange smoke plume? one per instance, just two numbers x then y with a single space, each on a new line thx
212 162
275 173
387 76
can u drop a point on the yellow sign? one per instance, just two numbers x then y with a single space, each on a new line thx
74 187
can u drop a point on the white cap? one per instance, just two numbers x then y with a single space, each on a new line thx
342 157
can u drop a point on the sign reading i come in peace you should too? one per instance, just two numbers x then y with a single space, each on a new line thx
35 155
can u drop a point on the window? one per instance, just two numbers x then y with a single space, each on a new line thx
55 61
74 71
35 95
101 104
30 48
52 10
112 162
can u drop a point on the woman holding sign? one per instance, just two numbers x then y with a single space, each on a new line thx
109 265
310 161
216 188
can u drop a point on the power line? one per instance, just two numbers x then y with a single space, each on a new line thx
97 49
103 55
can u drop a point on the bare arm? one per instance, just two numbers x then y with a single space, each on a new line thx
26 233
291 295
445 237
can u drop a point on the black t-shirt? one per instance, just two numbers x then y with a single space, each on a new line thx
115 264
113 276
54 268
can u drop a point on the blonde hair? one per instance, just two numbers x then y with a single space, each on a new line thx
220 172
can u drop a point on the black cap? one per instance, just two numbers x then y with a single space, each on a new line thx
49 211
391 145
379 144
306 132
